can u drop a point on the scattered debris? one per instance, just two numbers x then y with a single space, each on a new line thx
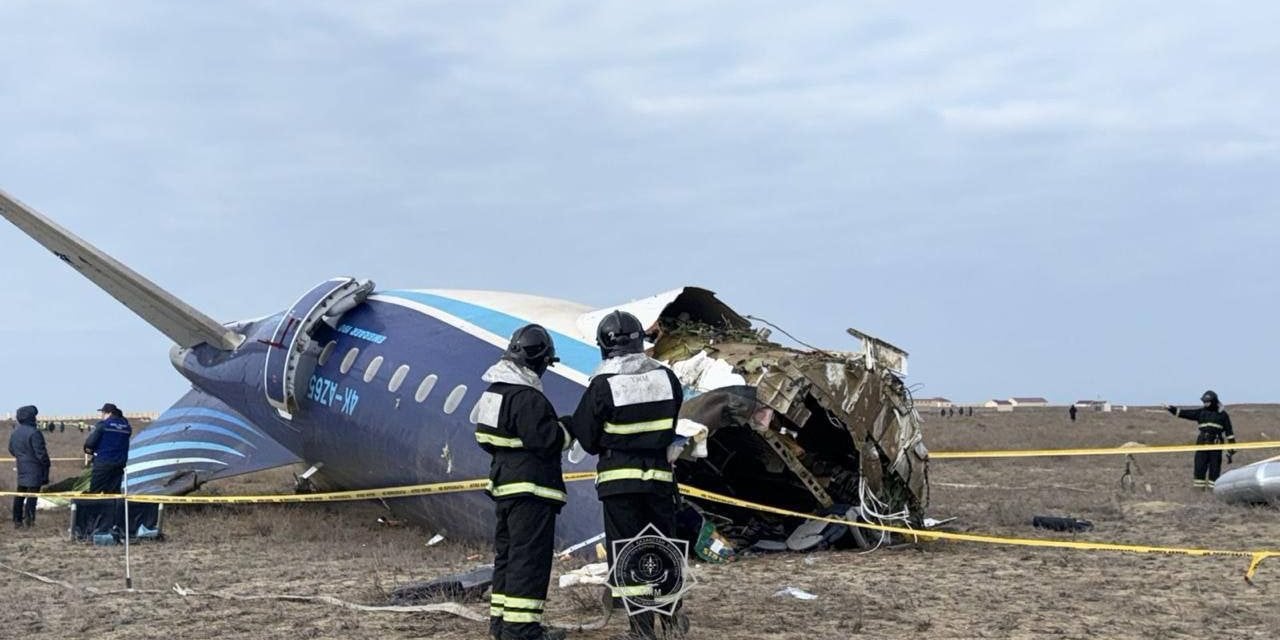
390 522
435 540
594 573
466 587
1056 523
798 594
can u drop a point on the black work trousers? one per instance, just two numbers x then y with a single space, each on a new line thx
1208 465
25 508
625 516
524 542
106 477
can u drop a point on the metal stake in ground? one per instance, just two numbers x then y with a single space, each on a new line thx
128 576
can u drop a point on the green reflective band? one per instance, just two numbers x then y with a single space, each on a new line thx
633 474
497 599
525 603
639 427
499 441
520 616
495 612
513 488
629 590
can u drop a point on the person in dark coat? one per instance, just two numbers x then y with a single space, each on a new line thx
26 445
517 425
108 443
1214 428
627 416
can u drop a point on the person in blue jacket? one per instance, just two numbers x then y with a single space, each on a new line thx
108 443
26 445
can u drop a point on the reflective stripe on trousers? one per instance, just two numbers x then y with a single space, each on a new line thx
515 488
634 474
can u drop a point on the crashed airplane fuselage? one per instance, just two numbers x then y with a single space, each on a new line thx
378 389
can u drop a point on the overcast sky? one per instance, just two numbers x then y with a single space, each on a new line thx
1073 200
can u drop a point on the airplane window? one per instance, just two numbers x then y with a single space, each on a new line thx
455 398
425 388
397 378
372 369
327 353
349 359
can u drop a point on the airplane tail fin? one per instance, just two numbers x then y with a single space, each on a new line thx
200 438
176 319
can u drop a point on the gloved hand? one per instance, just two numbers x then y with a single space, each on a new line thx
1171 409
1230 454
577 453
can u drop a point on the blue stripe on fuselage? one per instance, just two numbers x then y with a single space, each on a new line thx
573 352
152 433
136 453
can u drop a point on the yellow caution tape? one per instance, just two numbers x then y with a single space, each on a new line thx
1255 557
331 496
1106 451
50 459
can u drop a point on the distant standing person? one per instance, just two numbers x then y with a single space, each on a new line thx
1072 412
1215 426
108 443
26 445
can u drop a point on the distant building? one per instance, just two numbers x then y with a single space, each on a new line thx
1029 402
1094 405
933 403
999 405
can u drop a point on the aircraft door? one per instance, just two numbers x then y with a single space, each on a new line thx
292 352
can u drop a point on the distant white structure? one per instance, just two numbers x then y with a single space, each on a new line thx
1029 402
1094 405
1001 406
933 403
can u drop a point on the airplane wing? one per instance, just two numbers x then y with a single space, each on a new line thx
176 319
199 439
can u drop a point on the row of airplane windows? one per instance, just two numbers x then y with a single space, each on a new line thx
451 402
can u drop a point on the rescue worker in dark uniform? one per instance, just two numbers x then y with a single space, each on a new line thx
627 417
26 445
516 424
1215 427
108 443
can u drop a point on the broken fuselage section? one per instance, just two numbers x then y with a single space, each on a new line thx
813 431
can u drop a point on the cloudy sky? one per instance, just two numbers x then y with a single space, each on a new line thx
1073 200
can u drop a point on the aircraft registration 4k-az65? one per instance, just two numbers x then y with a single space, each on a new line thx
378 389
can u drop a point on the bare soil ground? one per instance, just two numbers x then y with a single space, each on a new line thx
942 590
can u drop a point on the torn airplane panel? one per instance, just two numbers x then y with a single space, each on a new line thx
807 430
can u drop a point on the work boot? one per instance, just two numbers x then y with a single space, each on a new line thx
542 634
676 625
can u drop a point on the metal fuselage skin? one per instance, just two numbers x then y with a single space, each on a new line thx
367 435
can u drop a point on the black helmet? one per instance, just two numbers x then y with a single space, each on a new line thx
1210 397
619 334
531 346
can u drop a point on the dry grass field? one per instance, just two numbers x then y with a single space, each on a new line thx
941 590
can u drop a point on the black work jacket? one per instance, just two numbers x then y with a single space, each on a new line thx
1214 421
629 419
517 425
